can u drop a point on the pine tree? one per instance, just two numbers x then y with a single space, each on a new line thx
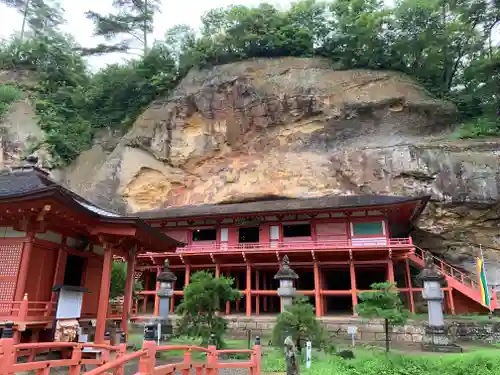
133 18
41 16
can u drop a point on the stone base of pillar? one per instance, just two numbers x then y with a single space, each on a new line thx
162 327
437 340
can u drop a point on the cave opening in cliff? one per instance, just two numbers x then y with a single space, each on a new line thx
248 235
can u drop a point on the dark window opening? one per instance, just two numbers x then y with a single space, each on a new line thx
247 235
205 235
73 274
297 230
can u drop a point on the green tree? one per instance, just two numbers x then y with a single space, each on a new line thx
203 298
299 321
383 303
118 280
40 15
133 18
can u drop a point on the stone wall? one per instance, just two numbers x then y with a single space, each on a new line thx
372 331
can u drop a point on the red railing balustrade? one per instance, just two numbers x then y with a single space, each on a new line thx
375 243
25 310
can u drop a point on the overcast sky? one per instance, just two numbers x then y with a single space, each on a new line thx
173 13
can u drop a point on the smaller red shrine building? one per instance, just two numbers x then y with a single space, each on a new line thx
338 245
50 236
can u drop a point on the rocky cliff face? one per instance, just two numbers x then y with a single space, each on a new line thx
296 127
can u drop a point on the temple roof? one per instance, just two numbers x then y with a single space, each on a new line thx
31 183
283 205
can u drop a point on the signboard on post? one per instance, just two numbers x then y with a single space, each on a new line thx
351 331
308 353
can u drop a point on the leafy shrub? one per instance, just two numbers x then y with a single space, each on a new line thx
8 95
203 298
118 279
299 321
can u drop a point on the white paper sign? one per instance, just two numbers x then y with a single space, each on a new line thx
69 305
308 354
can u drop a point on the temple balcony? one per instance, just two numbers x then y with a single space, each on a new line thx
295 245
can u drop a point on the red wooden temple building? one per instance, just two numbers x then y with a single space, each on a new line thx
338 245
50 236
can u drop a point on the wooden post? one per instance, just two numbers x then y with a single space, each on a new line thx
317 290
257 297
354 288
390 271
76 356
217 270
248 303
410 287
264 280
147 362
23 308
129 288
172 299
239 299
156 311
22 275
187 275
102 311
228 305
451 300
146 287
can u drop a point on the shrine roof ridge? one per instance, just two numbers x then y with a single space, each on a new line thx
282 205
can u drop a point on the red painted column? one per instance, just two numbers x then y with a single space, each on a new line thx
257 297
390 271
354 288
217 270
228 305
451 300
248 304
129 288
410 287
157 299
187 275
59 270
317 290
239 299
102 311
264 280
22 276
146 287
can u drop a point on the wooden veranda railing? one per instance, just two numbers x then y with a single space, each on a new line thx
114 359
25 310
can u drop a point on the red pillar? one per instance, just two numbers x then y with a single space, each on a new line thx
22 276
248 304
239 299
102 311
146 287
354 291
187 275
451 300
390 271
317 290
157 299
410 287
257 297
264 280
129 287
217 270
228 305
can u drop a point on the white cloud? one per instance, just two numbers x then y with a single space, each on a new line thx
180 12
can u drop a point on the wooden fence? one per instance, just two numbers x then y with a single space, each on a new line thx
113 359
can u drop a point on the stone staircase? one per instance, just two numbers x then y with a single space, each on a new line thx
457 280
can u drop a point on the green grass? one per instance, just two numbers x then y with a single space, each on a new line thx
8 95
371 361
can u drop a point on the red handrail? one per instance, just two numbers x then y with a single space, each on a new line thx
354 244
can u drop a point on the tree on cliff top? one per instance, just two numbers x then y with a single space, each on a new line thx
134 18
203 298
383 303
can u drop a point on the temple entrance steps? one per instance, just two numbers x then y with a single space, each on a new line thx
456 279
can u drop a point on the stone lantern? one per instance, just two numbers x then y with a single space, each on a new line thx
435 338
286 277
162 326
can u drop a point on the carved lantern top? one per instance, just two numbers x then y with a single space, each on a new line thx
430 272
285 272
166 275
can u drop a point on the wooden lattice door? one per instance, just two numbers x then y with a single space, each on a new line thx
10 255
